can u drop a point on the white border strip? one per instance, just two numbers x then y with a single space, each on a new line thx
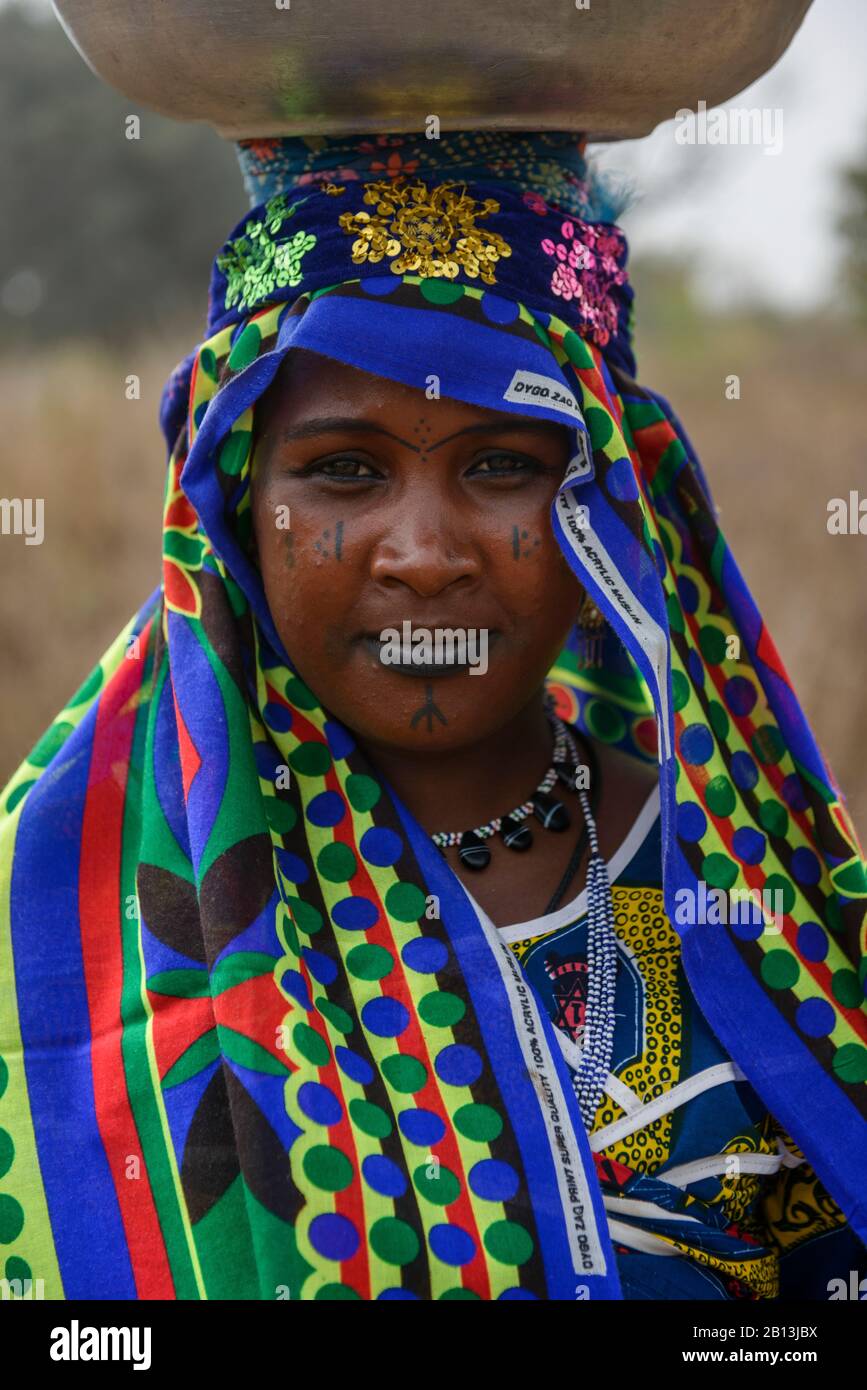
655 1109
579 1216
651 1211
711 1167
645 1241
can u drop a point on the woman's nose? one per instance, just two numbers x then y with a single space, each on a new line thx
425 547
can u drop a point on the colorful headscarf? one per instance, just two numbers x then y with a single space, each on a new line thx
259 1009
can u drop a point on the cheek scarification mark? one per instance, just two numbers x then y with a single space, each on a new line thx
521 543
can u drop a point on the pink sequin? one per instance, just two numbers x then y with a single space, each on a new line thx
586 271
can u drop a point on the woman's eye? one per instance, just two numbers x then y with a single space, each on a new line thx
345 468
505 463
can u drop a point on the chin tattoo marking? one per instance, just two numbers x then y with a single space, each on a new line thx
289 549
429 710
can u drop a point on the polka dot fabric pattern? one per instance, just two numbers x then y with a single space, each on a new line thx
289 1056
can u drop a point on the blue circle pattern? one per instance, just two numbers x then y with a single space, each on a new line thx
805 866
451 1244
749 845
421 1126
688 593
691 822
812 941
383 1176
319 1103
740 695
355 1067
425 955
292 867
745 774
355 914
498 310
493 1180
381 847
294 984
321 967
340 741
277 717
333 1236
326 809
386 1017
458 1065
815 1017
696 670
696 744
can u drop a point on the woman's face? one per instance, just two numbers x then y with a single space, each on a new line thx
408 510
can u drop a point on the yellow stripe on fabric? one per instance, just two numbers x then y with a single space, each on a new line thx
485 1212
307 1065
692 710
444 1277
11 1047
22 1183
590 686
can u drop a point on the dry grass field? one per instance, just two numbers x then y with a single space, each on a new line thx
773 458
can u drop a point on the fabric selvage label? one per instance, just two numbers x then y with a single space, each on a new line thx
579 1217
535 389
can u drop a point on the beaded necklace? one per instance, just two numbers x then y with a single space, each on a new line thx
598 1040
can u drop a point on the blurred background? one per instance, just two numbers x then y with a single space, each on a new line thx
744 262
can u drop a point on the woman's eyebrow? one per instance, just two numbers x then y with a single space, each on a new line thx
330 424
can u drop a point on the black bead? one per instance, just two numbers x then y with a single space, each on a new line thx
566 773
516 834
551 813
473 851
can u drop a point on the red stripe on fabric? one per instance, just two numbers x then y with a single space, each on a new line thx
474 1275
100 917
191 414
349 1202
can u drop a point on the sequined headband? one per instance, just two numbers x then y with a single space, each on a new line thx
450 232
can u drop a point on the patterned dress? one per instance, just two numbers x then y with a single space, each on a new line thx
706 1195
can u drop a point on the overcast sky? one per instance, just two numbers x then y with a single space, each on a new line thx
763 222
749 222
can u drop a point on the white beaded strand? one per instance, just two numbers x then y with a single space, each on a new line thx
598 1039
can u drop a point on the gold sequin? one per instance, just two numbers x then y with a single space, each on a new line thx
430 232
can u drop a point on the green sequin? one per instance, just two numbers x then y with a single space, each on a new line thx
256 264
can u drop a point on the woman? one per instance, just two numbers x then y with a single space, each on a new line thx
350 965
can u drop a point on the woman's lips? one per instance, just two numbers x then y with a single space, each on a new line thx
449 665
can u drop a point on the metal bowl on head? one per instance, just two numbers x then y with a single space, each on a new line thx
613 69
